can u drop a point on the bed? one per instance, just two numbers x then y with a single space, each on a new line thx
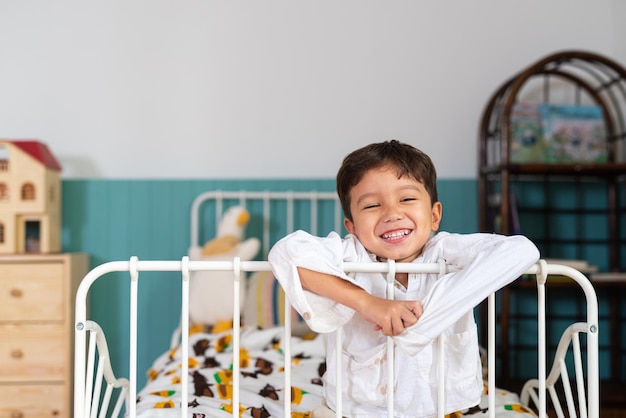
233 356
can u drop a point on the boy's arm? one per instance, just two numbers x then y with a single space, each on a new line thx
310 271
486 263
388 316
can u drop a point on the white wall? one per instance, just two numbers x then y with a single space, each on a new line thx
275 88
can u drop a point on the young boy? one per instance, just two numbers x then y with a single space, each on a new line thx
389 197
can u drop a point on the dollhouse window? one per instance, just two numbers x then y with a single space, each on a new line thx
28 191
4 192
4 159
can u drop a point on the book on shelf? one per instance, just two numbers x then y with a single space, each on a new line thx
557 133
608 276
574 133
581 265
528 144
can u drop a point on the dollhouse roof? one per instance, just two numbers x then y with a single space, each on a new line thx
40 152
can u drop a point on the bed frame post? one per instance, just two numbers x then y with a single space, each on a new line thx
491 354
132 373
542 276
184 327
391 278
80 340
236 334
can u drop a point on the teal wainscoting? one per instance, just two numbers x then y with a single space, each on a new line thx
113 220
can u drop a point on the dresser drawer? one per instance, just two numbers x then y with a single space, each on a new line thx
33 401
33 352
32 292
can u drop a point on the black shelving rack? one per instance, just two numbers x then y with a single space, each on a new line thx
590 222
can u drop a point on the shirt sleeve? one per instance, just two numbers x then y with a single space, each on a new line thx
480 264
322 254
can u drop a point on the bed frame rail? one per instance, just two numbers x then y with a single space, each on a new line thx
559 373
274 205
98 373
536 390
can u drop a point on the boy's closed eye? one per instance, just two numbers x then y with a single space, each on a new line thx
371 206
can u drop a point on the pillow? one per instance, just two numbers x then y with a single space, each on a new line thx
265 305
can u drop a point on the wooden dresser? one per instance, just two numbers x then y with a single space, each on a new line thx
36 333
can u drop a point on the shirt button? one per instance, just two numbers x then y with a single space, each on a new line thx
306 316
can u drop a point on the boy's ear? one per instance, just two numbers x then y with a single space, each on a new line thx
436 216
349 225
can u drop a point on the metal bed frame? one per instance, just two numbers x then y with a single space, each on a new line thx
93 371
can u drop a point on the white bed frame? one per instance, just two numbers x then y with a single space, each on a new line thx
98 393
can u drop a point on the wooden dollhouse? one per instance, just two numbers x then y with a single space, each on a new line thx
30 198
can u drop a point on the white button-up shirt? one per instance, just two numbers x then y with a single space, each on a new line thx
479 263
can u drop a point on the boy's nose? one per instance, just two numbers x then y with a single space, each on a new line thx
393 214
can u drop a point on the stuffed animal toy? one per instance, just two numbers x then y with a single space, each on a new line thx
211 292
230 232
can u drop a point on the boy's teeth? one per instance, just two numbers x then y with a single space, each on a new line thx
395 234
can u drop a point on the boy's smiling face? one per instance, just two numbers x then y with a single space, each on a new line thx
392 217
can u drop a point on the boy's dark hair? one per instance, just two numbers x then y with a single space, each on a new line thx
406 159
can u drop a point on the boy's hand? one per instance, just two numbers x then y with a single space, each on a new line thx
391 316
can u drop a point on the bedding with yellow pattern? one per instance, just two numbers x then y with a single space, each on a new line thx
261 378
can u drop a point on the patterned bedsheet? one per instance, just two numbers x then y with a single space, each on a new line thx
261 380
